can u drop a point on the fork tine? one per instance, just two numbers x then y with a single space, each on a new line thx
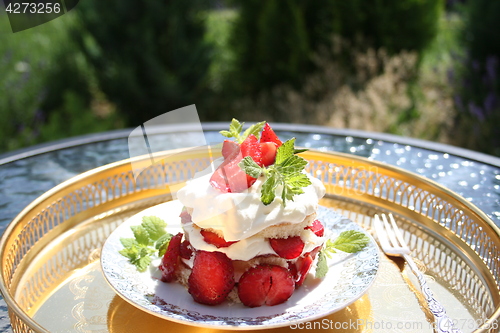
397 231
389 231
381 234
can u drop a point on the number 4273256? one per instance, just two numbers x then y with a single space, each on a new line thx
33 8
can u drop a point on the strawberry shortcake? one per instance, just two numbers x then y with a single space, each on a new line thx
250 232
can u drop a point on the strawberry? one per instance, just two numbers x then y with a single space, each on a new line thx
229 177
317 227
230 149
185 217
251 147
211 278
288 248
268 135
170 260
265 285
268 150
186 250
303 265
214 239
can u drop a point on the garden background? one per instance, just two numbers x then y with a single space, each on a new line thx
421 68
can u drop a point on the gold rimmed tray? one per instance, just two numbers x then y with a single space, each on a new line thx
51 277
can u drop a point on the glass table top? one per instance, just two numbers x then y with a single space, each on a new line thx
26 176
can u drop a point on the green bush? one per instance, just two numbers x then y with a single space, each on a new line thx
478 86
270 43
149 57
394 25
274 40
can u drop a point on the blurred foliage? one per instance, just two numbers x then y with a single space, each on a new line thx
45 91
270 42
273 40
477 81
407 67
149 57
394 25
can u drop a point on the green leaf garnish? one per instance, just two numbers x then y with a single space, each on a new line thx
235 130
321 266
154 226
350 241
150 237
286 174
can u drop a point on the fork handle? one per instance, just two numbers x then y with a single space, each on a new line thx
443 323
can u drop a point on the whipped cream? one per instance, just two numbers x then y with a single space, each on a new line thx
248 248
241 215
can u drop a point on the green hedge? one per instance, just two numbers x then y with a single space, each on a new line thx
149 56
273 40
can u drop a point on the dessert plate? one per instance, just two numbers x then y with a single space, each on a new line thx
349 277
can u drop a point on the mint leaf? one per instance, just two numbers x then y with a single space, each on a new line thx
254 129
227 134
321 266
235 130
285 150
141 235
350 241
143 263
298 151
267 193
286 173
154 226
235 127
292 165
251 168
150 237
298 180
162 244
130 252
128 242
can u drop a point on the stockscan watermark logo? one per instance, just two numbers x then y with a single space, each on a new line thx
26 14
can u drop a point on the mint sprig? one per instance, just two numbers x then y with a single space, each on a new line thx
150 237
285 174
350 241
236 127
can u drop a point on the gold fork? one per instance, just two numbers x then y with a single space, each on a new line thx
392 242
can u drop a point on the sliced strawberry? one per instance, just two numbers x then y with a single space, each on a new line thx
268 150
303 265
229 177
185 217
211 278
251 147
288 248
265 285
317 227
230 149
186 250
214 239
314 252
170 260
268 135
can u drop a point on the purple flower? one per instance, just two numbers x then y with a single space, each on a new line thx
475 65
491 68
458 102
490 102
476 111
